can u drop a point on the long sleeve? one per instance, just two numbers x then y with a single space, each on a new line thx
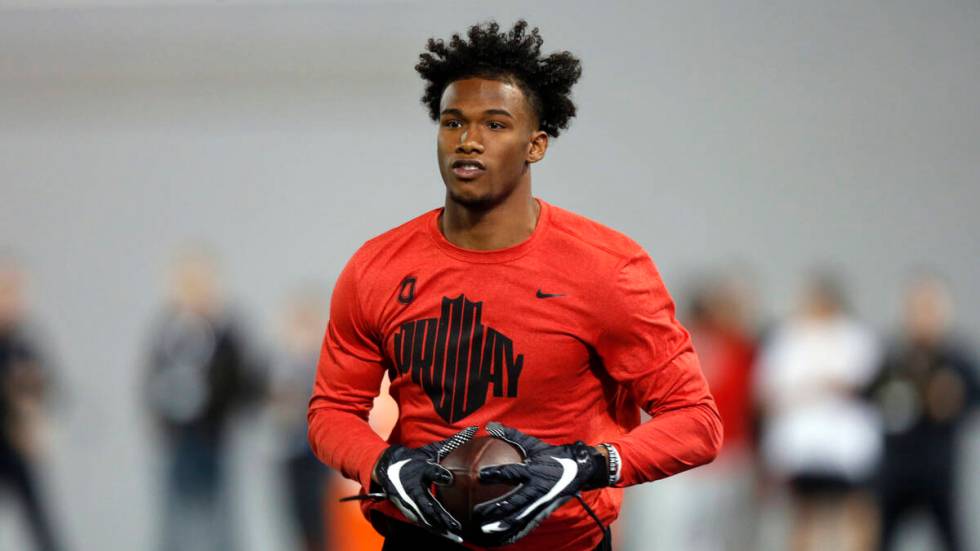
644 348
348 379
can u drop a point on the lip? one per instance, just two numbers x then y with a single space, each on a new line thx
468 169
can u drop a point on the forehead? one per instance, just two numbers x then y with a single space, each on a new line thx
479 94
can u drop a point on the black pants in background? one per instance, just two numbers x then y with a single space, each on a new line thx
901 497
307 487
17 476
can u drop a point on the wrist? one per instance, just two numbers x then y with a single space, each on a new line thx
377 465
614 463
603 451
599 472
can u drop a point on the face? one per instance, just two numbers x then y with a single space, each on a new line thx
928 310
11 297
304 324
195 284
488 137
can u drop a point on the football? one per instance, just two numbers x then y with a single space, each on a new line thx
466 490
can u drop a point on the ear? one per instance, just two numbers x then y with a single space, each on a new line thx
537 146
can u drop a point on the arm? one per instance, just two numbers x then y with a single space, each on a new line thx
348 378
25 387
968 368
646 349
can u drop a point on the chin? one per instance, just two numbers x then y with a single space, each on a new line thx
472 201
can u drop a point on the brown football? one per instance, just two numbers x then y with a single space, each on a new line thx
466 490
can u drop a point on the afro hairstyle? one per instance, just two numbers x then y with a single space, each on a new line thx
512 56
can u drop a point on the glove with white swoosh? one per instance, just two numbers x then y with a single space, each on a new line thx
549 476
407 474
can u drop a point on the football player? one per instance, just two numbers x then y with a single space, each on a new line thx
502 311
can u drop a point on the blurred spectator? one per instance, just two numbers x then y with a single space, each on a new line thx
23 383
724 336
304 475
818 435
923 391
199 373
349 529
717 499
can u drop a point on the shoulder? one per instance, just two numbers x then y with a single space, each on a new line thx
784 337
586 236
382 263
22 338
382 249
860 334
959 352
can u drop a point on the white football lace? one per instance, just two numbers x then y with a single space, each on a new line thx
456 441
496 429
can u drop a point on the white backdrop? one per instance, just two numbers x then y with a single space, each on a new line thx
775 136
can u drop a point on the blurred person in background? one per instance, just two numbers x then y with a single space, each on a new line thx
818 435
720 496
924 390
305 477
24 380
199 373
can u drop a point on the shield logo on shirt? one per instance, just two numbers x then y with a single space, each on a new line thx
457 360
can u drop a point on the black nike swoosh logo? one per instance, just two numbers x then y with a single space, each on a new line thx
548 295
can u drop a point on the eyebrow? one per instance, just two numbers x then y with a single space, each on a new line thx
458 113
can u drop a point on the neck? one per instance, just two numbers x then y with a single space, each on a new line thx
501 226
926 339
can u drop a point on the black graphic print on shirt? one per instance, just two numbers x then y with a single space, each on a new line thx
456 359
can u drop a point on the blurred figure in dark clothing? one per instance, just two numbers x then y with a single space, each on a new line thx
199 374
23 382
923 391
305 477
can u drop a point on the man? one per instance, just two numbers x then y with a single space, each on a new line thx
924 391
199 375
24 381
502 311
305 478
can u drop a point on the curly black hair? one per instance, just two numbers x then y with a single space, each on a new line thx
512 56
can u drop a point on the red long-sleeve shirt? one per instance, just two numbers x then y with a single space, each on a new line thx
564 336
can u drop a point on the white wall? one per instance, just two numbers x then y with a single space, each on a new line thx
775 135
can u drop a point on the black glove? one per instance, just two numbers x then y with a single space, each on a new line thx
407 474
549 476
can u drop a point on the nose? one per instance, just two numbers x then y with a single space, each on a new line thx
469 142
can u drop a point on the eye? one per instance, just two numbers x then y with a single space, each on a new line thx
452 123
494 125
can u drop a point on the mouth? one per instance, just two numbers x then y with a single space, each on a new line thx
468 169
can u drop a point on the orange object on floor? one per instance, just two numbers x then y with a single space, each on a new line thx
348 529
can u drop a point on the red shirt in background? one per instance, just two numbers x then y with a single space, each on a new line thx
727 357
